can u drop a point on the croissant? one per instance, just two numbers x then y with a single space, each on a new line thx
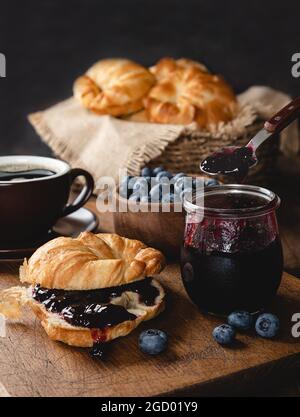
92 261
185 93
60 273
166 66
114 86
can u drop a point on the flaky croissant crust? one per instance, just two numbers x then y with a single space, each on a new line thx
166 66
114 86
185 93
91 261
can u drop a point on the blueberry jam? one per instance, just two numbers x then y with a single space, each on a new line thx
231 258
93 309
231 160
96 315
99 350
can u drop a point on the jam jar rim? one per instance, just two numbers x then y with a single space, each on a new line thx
274 202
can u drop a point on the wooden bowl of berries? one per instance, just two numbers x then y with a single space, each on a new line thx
149 207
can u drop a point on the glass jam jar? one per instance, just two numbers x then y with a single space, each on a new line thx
231 258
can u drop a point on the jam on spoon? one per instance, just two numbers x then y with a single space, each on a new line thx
231 160
236 161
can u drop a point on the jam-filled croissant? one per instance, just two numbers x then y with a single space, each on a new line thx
88 290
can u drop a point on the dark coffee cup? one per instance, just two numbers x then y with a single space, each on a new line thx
30 207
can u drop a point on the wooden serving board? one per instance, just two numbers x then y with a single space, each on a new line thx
33 365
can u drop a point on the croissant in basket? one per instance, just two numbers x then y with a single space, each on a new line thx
114 86
165 66
186 92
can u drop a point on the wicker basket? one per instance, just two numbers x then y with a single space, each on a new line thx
188 151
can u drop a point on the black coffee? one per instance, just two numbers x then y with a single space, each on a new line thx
25 174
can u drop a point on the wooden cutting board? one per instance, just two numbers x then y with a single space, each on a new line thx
33 365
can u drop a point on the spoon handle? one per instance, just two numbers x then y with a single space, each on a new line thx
284 117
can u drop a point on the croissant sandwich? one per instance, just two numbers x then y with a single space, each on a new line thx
89 290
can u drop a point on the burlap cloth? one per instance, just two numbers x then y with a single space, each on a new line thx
103 144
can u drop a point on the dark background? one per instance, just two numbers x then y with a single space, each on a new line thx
49 43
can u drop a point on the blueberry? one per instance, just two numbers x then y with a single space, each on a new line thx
131 182
134 197
123 190
177 176
126 179
156 170
168 198
241 320
182 183
140 185
224 334
164 180
156 193
267 325
153 341
152 181
163 174
166 186
145 199
211 183
178 185
146 172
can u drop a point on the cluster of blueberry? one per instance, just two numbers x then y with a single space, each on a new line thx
158 185
155 341
266 325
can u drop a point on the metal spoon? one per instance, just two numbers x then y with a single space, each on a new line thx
237 160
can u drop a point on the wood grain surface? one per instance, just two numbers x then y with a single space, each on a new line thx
163 230
33 365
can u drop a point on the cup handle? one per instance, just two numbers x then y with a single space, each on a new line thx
84 194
